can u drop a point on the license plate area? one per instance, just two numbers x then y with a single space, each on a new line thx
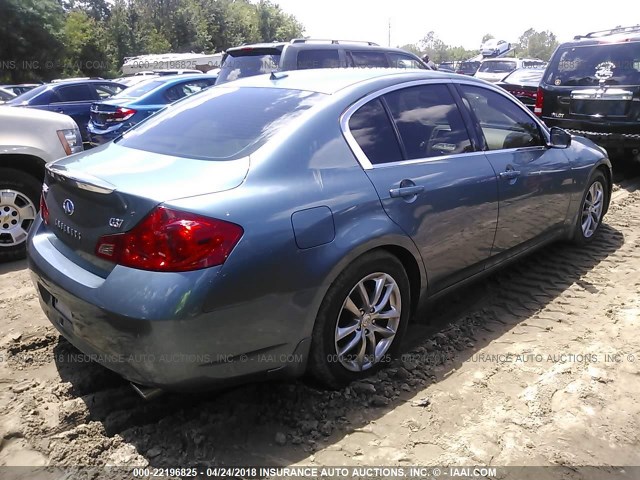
605 108
65 317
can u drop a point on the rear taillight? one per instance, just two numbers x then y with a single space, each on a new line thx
171 241
120 115
44 210
537 109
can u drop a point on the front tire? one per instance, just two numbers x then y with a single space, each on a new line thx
593 206
19 200
361 321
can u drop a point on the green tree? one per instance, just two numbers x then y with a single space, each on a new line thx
536 44
486 37
30 40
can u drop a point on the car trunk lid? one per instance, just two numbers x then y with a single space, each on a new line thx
110 189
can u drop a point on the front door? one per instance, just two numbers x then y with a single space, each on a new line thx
534 180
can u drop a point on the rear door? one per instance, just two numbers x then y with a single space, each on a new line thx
594 87
534 181
415 148
75 101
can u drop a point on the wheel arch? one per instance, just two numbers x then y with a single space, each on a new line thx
30 164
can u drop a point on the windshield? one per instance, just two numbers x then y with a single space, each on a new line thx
616 64
139 89
247 63
220 124
524 76
503 66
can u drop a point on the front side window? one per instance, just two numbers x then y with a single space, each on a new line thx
503 123
372 129
318 59
428 121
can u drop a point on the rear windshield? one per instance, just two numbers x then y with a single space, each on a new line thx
247 63
139 89
525 76
615 64
497 67
221 124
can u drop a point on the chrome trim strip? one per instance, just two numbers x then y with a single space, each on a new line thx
82 180
366 163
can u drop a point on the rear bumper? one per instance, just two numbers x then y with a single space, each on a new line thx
98 136
156 333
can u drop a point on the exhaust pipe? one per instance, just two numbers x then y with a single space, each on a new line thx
147 393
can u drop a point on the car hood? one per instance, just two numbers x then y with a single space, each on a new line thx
151 175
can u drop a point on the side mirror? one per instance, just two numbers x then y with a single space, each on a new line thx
559 138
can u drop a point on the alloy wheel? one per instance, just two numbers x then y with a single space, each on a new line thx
17 214
368 322
592 209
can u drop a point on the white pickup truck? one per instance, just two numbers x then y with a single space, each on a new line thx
29 138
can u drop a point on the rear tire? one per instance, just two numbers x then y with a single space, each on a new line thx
361 321
593 206
19 203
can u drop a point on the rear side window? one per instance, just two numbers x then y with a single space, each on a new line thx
75 93
220 124
504 124
615 64
368 59
372 129
247 64
428 121
318 59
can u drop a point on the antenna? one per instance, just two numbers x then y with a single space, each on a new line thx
389 32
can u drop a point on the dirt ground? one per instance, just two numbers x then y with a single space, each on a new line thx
538 364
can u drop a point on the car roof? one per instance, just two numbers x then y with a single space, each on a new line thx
332 80
615 35
318 45
180 78
80 82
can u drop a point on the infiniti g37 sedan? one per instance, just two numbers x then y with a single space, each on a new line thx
292 223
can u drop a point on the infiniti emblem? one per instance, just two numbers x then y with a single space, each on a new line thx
68 207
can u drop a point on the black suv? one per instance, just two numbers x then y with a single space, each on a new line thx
591 88
303 53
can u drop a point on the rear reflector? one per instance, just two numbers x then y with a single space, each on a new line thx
171 241
539 102
120 114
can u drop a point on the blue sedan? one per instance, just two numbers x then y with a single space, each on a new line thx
293 222
111 118
71 97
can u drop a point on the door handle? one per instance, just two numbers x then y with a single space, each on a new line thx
510 174
406 191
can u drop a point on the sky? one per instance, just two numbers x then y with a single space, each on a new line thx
456 22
